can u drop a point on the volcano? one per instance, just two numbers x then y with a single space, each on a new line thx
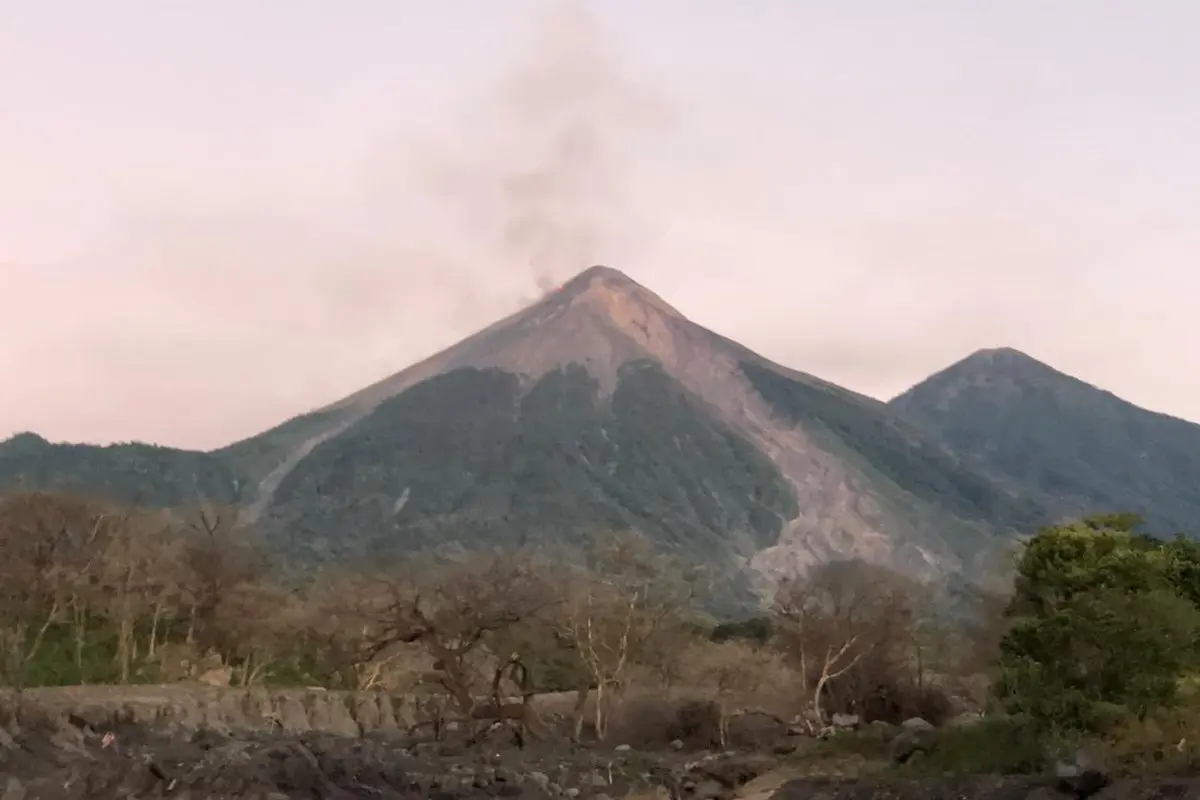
601 407
596 409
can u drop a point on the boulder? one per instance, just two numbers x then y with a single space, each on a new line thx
1081 775
220 676
843 721
916 736
966 719
756 730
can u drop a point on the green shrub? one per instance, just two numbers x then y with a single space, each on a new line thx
1100 618
993 746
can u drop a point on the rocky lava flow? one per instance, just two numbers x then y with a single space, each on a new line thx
51 759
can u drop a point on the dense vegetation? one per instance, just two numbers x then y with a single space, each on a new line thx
1125 607
253 458
1061 442
472 457
133 473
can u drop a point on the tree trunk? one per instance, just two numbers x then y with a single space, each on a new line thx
80 619
249 676
600 717
920 666
816 703
17 655
124 646
581 697
24 651
153 646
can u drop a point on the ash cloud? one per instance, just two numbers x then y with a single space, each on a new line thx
541 179
387 253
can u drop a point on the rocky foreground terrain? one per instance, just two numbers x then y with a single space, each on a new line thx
176 742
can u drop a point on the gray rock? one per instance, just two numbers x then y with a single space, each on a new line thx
913 738
291 714
880 730
756 730
709 789
331 715
622 748
845 720
1082 775
540 780
366 713
965 719
14 790
596 779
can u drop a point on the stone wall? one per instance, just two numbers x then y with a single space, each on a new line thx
190 707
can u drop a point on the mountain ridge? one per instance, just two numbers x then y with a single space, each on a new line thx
1075 447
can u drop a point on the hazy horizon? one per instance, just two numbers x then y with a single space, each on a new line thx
217 216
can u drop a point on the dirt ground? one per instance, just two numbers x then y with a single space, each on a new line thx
87 743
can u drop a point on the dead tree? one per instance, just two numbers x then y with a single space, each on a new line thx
832 619
615 610
454 612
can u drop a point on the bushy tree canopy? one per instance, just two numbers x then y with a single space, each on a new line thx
1103 619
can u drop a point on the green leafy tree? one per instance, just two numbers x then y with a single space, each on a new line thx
1102 621
1183 567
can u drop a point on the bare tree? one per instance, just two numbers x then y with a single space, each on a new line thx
47 545
455 612
166 585
257 621
72 566
218 554
82 569
615 609
129 560
840 614
736 674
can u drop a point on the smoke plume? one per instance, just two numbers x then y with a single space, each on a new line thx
384 256
540 178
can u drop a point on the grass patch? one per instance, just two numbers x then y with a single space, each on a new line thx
1001 746
851 743
1165 743
844 754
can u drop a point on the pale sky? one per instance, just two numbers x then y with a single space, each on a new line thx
216 214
